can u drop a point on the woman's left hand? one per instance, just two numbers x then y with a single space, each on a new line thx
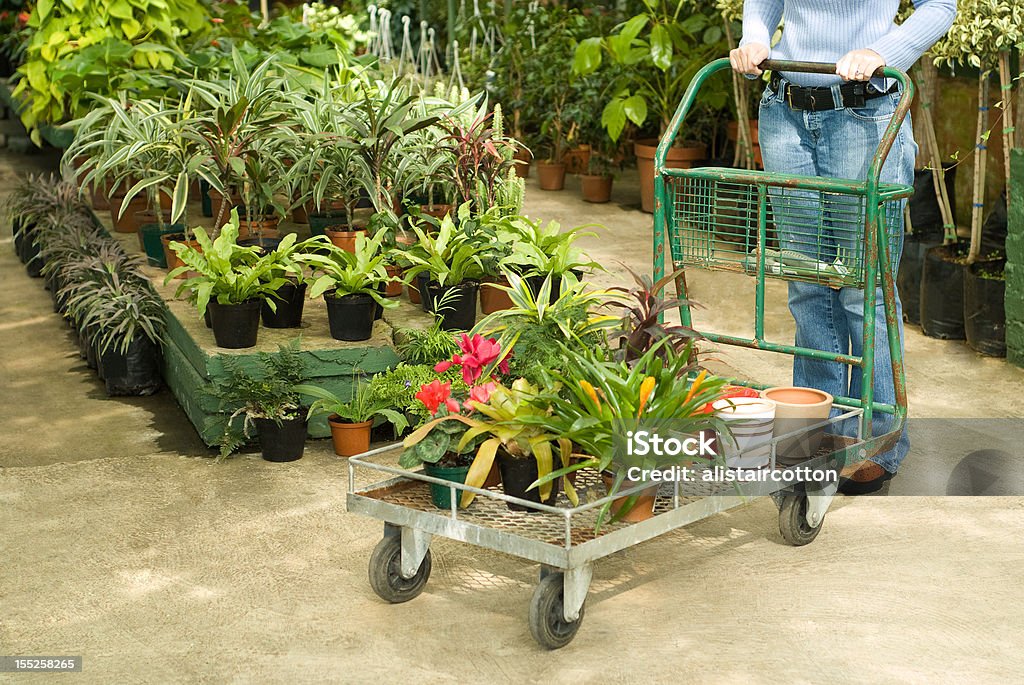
859 65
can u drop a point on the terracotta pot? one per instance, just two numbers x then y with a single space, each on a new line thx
126 223
343 237
551 176
171 257
101 196
678 158
437 211
413 292
300 215
796 409
525 157
642 510
394 288
259 225
349 439
166 201
596 188
216 199
494 299
577 160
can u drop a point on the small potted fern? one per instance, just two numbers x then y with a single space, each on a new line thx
268 401
351 421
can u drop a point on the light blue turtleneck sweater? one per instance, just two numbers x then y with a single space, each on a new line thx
825 30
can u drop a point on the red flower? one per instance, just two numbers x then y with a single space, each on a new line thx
436 393
479 393
217 20
23 17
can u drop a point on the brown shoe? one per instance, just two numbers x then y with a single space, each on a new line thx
862 478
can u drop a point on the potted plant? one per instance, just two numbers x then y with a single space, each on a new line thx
242 111
351 421
604 399
596 183
440 445
290 297
541 250
233 281
453 267
658 51
267 401
350 284
325 171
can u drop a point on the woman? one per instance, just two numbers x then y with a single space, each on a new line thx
831 125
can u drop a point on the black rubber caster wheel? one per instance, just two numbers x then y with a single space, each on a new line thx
547 625
793 521
385 572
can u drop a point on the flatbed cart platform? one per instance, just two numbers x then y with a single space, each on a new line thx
561 538
839 235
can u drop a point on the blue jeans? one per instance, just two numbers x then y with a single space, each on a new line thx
839 144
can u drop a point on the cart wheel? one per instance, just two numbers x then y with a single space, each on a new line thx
385 572
793 521
547 624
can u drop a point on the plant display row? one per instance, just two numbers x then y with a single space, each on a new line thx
234 285
95 285
534 393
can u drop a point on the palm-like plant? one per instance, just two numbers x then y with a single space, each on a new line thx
244 111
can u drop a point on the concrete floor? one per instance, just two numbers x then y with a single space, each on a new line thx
123 542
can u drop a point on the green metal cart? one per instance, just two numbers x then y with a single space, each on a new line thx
838 233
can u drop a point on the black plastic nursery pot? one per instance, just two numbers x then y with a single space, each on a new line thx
319 221
925 214
518 474
440 495
284 442
290 301
454 305
984 312
350 316
151 243
235 326
204 196
267 243
908 278
942 293
135 372
421 287
33 261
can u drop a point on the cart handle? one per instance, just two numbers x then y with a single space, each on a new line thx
874 171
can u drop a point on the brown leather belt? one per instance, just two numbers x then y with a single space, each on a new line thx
852 94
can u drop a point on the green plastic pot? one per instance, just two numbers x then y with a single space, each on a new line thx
440 495
152 244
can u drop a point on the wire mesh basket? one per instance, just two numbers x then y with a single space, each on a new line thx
809 235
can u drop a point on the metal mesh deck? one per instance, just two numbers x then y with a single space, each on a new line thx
811 236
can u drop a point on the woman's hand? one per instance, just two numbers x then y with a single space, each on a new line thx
746 58
859 65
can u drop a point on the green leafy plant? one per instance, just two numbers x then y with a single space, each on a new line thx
101 47
398 387
535 327
427 346
599 400
343 273
450 257
659 50
642 325
270 393
539 249
363 405
227 272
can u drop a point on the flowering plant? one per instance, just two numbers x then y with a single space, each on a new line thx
443 436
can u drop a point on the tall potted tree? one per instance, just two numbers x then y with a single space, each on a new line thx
661 48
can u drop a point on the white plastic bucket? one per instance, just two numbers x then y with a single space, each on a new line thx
751 420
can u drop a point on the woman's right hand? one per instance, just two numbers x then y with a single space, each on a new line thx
745 59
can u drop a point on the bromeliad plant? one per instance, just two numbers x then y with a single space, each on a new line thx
599 400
